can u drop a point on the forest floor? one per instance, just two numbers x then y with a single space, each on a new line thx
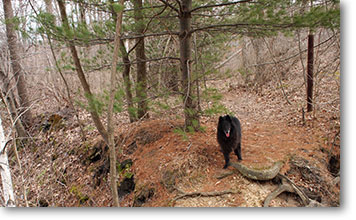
61 169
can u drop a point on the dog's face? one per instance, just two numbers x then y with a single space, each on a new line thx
225 123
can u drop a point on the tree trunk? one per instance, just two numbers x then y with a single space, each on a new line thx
127 82
110 128
81 76
5 172
9 99
125 73
141 87
15 62
49 6
259 79
310 80
190 107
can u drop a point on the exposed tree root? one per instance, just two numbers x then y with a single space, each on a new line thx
204 194
268 174
289 186
262 174
223 175
282 188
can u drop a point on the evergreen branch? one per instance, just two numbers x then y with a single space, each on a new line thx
149 35
131 62
247 25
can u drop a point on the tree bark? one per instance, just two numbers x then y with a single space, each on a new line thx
190 107
81 76
5 172
49 6
126 73
9 100
15 63
310 80
110 126
127 82
141 87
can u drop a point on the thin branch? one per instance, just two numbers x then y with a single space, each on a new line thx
264 27
169 5
131 62
146 28
219 5
291 57
278 77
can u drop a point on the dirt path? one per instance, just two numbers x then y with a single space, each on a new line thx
167 162
195 163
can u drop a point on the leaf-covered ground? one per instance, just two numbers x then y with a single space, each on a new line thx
60 169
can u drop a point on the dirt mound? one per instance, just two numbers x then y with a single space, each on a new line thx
170 164
163 164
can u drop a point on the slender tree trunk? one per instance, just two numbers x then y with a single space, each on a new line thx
49 6
259 77
127 82
126 73
9 99
49 9
190 107
113 85
15 62
141 87
310 80
81 76
5 172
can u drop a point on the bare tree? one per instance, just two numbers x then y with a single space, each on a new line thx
5 172
310 68
15 62
8 98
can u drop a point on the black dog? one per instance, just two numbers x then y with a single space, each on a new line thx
229 137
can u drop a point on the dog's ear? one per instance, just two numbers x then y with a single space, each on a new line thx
228 117
220 118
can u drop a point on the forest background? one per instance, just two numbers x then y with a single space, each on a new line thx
182 80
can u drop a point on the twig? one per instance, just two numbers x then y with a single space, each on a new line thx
278 77
190 144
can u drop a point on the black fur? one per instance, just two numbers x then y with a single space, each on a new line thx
229 137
